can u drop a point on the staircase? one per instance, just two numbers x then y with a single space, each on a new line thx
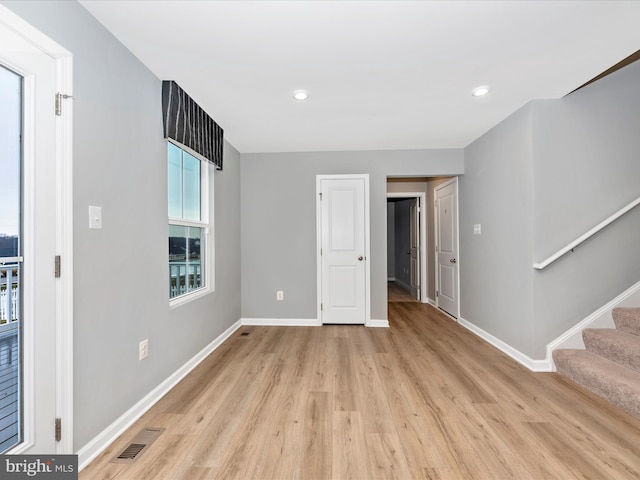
610 365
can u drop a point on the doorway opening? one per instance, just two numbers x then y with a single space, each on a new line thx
402 193
406 237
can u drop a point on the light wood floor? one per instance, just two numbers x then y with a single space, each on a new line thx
424 398
397 293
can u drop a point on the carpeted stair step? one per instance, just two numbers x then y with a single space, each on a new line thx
617 384
627 319
615 345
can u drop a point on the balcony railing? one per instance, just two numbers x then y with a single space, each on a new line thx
9 296
9 352
184 278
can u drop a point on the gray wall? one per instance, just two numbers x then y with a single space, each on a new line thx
278 214
120 272
496 191
535 182
586 166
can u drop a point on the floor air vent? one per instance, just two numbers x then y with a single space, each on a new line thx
244 334
138 445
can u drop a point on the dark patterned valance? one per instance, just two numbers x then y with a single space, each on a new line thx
188 124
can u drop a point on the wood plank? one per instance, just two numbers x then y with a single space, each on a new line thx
168 455
398 293
386 457
349 452
423 399
317 436
345 380
196 473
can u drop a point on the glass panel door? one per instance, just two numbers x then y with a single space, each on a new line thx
10 258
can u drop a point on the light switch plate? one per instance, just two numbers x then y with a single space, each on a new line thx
95 218
143 349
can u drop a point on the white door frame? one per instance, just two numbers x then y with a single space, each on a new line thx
367 237
424 298
64 237
454 181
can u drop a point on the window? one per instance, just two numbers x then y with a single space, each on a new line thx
188 223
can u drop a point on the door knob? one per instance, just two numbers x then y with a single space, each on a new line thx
361 258
453 260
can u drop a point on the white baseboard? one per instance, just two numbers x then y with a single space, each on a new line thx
378 323
281 322
572 338
297 322
518 356
431 302
99 443
402 284
391 279
601 318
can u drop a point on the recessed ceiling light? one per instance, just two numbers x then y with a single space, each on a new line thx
301 95
481 91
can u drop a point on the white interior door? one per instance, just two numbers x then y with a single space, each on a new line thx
414 247
343 250
446 206
30 79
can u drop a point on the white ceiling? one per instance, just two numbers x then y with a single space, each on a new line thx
381 74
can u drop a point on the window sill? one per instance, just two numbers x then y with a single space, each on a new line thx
189 297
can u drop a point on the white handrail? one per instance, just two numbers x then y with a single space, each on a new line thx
590 233
7 260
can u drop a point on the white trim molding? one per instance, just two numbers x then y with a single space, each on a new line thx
367 240
518 356
64 242
402 284
64 228
424 277
601 318
377 323
99 443
301 322
452 181
281 322
572 338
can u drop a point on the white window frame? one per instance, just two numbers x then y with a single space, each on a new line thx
205 223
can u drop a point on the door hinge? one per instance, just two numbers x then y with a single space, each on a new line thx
321 307
320 252
57 266
59 98
320 196
58 429
436 293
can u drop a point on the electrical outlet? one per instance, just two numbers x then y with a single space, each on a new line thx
280 295
143 349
